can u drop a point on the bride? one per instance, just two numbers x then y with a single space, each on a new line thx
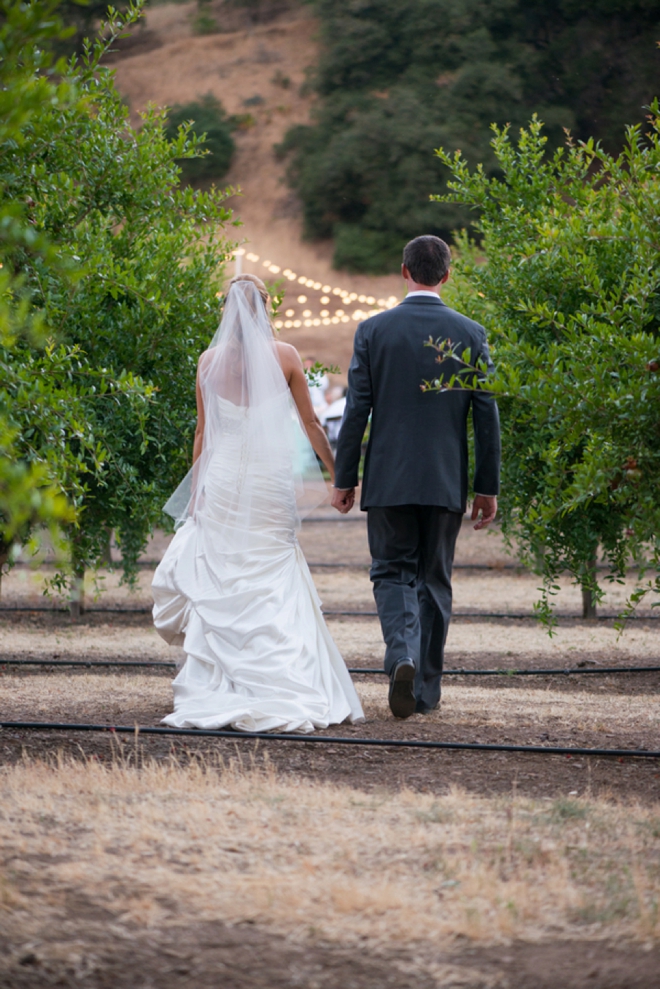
233 587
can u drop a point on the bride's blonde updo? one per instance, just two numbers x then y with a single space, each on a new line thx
261 289
256 281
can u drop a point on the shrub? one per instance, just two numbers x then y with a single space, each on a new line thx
392 84
571 296
212 127
106 411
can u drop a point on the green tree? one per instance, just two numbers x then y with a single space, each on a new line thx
393 82
81 20
213 128
128 331
571 296
29 492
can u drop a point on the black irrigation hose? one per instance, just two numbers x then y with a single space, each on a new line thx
602 670
166 665
399 743
89 664
329 614
65 608
491 614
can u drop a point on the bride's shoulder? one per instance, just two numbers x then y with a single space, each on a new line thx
287 354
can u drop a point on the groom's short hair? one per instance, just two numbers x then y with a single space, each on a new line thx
427 258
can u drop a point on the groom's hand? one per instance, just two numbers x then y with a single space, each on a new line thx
487 505
343 499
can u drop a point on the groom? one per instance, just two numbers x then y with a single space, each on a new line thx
415 482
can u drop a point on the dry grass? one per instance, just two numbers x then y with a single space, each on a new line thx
95 642
512 709
161 843
127 699
501 592
361 641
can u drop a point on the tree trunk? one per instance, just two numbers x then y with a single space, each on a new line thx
588 600
77 599
106 559
4 556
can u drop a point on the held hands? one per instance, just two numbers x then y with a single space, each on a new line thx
343 499
487 505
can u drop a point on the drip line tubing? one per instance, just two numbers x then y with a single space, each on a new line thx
332 614
90 664
373 671
63 609
152 564
491 614
566 671
400 743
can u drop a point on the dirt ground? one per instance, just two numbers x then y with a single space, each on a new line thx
248 957
61 926
294 882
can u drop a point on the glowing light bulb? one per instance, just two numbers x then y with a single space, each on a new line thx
274 268
302 298
324 312
370 300
326 288
307 312
324 300
252 257
290 312
316 285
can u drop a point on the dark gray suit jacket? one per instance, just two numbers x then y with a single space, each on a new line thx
418 445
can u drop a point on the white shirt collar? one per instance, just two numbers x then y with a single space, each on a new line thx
423 291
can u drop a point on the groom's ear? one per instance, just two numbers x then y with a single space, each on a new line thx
446 278
404 272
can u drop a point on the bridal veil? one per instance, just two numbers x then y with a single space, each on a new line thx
244 391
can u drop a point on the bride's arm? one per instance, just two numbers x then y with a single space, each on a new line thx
294 373
199 440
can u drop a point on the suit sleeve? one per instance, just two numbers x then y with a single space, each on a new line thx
356 414
487 444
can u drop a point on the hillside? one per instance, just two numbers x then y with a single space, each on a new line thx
247 69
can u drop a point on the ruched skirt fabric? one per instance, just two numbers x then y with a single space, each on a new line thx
234 590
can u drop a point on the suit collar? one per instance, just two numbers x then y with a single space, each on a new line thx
422 300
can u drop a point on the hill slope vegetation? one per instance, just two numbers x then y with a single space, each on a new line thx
393 84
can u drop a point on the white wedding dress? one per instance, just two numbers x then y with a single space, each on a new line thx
234 589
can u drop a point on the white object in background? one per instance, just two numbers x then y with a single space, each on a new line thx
331 419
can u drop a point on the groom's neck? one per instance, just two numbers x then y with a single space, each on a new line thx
414 286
